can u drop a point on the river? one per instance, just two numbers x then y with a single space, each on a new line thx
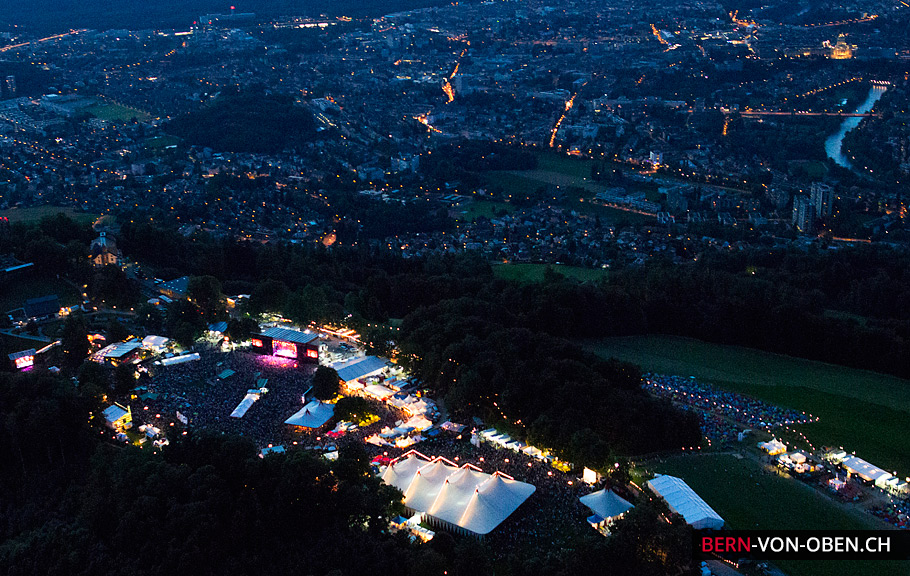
835 142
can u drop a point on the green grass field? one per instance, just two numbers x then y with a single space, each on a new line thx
530 273
36 213
110 112
748 499
476 209
860 410
159 143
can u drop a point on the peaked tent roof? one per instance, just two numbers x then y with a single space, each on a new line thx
605 503
426 485
456 493
683 500
401 472
493 502
465 497
313 415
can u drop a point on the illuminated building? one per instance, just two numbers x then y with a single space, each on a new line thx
117 417
841 50
23 360
286 343
104 251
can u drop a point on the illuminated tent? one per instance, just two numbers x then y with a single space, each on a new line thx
684 501
426 485
866 471
380 392
456 493
492 502
403 470
465 499
244 405
313 415
155 342
606 504
774 447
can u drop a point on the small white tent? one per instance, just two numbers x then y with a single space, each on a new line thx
606 504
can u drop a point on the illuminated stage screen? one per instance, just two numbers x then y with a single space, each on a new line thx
25 362
284 349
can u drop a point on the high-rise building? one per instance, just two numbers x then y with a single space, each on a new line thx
822 197
10 85
803 213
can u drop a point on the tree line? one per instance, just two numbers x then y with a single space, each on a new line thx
75 504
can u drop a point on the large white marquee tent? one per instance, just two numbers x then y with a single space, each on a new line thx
465 499
684 501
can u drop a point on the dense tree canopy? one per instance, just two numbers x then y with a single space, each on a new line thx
325 383
247 122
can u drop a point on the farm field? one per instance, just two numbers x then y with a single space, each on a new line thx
863 411
747 498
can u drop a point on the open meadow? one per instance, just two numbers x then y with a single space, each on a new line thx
863 411
748 498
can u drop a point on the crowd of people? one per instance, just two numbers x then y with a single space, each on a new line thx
195 390
896 513
534 523
203 393
752 413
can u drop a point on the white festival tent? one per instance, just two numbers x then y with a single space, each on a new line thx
403 471
465 499
244 405
155 342
180 359
426 485
380 392
606 504
866 471
313 415
684 501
